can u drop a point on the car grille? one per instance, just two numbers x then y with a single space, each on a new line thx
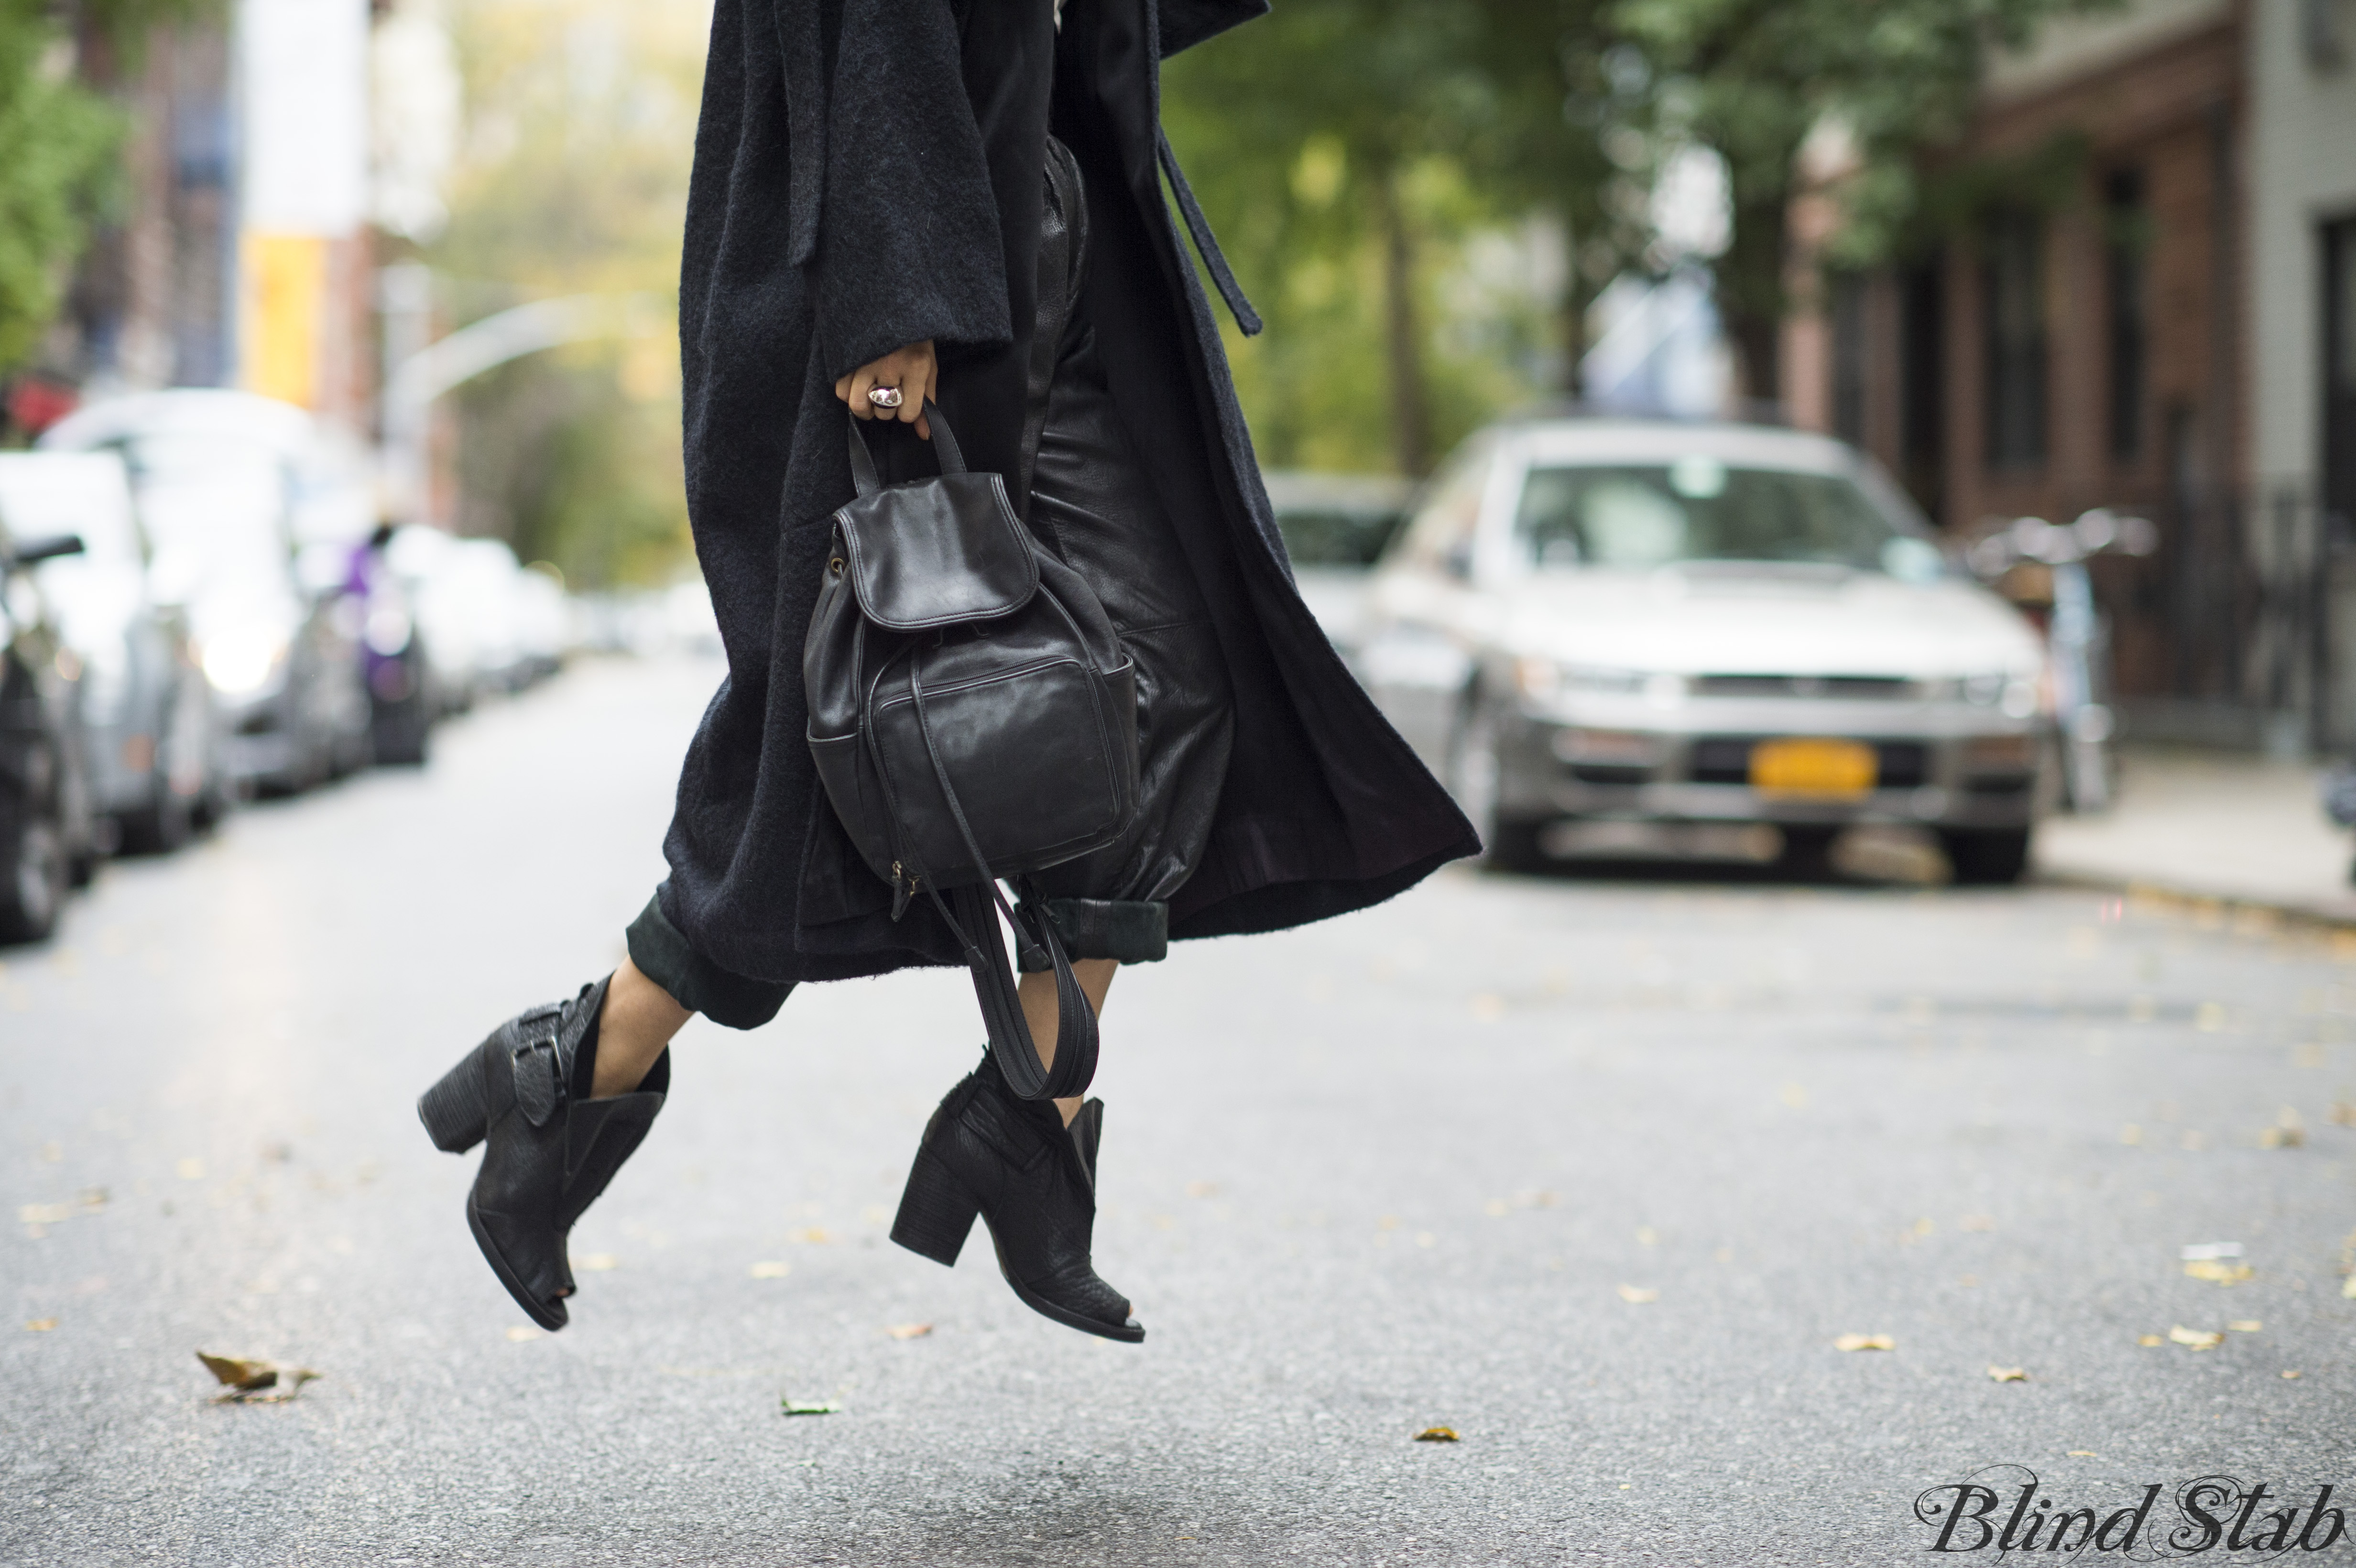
1851 687
1726 759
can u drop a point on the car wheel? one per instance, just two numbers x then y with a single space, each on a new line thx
164 824
402 733
1987 858
32 868
1476 780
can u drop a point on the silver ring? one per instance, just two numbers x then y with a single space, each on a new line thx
884 396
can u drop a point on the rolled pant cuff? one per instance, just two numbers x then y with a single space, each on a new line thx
663 955
1130 931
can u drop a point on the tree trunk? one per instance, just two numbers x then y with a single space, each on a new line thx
1411 414
1578 297
1750 296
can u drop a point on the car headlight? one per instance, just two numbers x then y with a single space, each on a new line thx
2014 695
240 660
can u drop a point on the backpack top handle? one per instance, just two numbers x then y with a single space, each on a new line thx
862 462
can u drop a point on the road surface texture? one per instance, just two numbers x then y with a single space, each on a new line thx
1427 1166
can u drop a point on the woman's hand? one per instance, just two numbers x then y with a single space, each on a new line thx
913 370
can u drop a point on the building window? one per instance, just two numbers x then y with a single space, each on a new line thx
2012 289
1849 357
2125 241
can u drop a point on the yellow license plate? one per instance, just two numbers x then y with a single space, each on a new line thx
1839 770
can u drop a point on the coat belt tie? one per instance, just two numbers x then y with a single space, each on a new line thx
1206 242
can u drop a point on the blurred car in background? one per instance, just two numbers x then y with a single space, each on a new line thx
47 830
148 713
399 675
251 509
488 625
1618 636
1335 528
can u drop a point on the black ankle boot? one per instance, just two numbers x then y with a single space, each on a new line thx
1034 1183
553 1148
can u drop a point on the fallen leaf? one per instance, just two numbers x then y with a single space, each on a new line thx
2290 1374
2245 1326
1638 1294
2084 1454
596 1262
808 1406
1647 1237
1924 1228
2207 1252
1488 1007
2219 1273
252 1382
1202 1189
1977 1223
2210 1018
191 1169
522 1332
2283 1138
1794 1096
53 1151
772 1270
1865 1342
816 1235
44 1214
2342 1114
2131 1133
2148 1340
92 1198
2348 1287
1438 1434
909 1330
40 1325
238 1372
2007 1374
1496 1208
2195 1339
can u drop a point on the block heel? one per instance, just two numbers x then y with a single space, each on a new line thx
936 1213
457 1111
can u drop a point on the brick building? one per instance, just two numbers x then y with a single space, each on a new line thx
2114 312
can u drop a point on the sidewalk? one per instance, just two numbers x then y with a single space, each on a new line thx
2210 824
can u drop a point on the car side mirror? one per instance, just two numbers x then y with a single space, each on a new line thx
32 552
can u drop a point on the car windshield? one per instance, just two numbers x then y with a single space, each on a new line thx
1699 509
215 512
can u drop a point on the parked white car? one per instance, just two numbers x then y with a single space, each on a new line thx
148 721
251 509
1335 528
1634 635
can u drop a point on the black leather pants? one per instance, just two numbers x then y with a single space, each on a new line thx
1095 507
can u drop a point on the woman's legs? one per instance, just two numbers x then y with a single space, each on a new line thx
1039 1010
638 1019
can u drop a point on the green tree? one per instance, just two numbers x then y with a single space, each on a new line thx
1752 79
59 137
1316 131
571 179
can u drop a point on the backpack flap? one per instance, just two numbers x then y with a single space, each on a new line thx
934 553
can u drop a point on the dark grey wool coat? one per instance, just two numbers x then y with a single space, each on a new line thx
867 176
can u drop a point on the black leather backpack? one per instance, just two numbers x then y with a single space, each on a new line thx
973 716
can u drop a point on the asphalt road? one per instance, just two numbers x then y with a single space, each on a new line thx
1362 1179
